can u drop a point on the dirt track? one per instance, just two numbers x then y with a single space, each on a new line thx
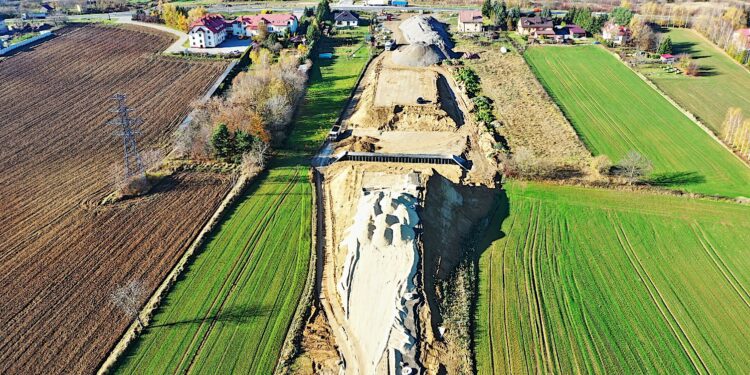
61 253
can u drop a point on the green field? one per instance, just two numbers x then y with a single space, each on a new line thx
614 111
230 310
603 281
722 84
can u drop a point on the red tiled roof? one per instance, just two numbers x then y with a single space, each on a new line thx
470 16
667 56
213 22
275 19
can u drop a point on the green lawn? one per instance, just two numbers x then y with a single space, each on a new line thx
614 111
603 281
230 310
722 84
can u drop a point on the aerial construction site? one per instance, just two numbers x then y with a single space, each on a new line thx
404 180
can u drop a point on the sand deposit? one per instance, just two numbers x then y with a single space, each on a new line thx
377 286
405 86
430 116
409 142
418 55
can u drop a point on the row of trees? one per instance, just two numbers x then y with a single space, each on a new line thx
586 19
255 112
483 108
736 131
717 23
500 14
180 18
633 167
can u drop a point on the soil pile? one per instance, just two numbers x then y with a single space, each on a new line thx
429 116
358 144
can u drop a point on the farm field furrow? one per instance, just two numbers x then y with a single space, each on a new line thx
230 310
614 112
584 280
722 83
62 253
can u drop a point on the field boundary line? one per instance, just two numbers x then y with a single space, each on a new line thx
297 325
153 302
685 112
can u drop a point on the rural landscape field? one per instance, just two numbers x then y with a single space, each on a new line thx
614 112
62 253
591 280
374 187
236 300
722 85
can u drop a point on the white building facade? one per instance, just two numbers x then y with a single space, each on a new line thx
207 32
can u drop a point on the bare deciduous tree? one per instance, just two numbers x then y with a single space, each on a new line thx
254 160
634 166
128 299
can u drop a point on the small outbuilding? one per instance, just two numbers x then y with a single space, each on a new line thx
667 58
345 18
470 21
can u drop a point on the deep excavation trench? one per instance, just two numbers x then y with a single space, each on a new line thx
393 291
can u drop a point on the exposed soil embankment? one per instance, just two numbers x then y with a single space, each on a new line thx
529 117
387 104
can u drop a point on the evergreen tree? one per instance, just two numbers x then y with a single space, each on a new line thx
570 15
546 13
500 13
622 16
583 18
665 46
221 140
323 11
487 8
597 23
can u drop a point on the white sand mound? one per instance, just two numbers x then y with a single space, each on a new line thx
418 55
377 285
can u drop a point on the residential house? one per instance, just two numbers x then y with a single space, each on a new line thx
616 34
208 31
536 26
470 21
574 31
248 26
345 18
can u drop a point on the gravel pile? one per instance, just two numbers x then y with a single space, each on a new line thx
428 41
418 54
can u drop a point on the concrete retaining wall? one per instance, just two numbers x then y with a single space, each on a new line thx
26 42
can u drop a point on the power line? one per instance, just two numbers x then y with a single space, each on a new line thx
133 162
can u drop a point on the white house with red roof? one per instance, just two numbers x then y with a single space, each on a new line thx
208 31
248 26
470 21
615 33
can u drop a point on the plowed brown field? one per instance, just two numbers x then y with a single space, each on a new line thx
61 254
